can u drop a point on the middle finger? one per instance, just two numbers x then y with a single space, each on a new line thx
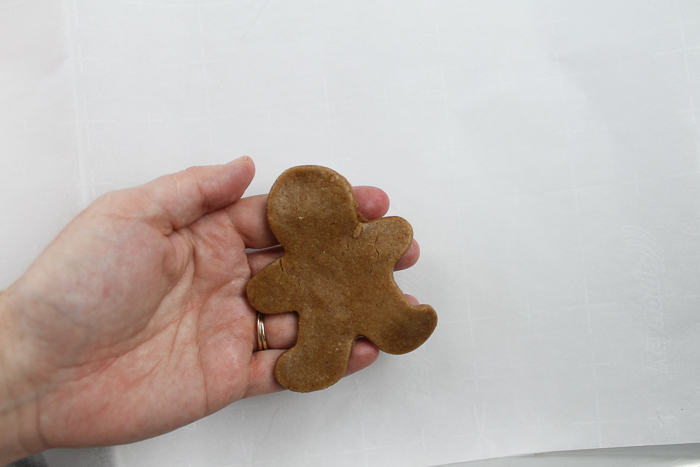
257 260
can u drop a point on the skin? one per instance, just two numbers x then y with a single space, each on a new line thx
136 314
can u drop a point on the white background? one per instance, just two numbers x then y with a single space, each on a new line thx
546 153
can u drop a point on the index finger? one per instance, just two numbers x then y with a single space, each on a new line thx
249 215
174 201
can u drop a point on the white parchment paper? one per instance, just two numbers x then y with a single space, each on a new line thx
546 154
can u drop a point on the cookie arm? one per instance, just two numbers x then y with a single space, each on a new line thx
271 290
392 237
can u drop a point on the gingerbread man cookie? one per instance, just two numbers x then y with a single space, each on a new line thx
337 274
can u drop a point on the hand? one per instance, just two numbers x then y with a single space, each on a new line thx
134 321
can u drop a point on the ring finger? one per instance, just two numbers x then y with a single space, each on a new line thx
281 330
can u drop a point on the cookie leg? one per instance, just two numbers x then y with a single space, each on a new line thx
314 363
271 290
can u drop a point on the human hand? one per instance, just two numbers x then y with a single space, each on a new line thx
134 321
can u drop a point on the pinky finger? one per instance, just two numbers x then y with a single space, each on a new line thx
263 381
262 373
363 354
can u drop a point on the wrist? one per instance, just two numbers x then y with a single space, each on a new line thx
19 431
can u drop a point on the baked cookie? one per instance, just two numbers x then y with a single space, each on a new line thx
337 274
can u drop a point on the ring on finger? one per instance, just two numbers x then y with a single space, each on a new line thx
262 340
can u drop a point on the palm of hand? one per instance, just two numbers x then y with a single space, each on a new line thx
159 322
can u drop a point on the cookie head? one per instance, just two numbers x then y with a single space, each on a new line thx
307 204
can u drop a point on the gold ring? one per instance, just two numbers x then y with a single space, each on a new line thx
262 340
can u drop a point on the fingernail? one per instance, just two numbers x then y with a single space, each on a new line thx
240 159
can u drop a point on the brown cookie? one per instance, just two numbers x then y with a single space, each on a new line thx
337 274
